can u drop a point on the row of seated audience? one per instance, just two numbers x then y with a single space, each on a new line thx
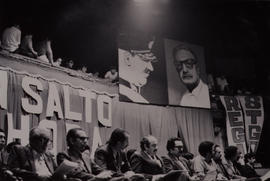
34 162
41 50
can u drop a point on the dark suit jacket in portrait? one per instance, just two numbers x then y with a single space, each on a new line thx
21 162
91 168
105 159
173 163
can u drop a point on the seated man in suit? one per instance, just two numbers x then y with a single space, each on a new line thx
111 156
248 169
174 160
33 162
5 173
147 162
77 145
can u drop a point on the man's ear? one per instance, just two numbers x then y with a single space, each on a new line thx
145 146
72 140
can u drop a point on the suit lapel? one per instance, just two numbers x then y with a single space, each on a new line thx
113 159
86 161
48 163
30 157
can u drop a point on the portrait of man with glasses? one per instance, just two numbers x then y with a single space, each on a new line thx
186 63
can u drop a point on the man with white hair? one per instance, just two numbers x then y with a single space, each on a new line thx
33 162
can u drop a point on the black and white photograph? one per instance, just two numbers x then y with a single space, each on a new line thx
134 90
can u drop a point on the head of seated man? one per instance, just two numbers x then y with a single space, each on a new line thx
39 139
175 146
217 153
119 140
77 140
2 139
149 144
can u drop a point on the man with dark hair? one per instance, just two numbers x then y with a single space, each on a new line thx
111 156
248 169
33 162
231 156
186 64
3 160
77 143
203 164
174 160
218 157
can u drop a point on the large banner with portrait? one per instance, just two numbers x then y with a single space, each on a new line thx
142 69
166 72
187 79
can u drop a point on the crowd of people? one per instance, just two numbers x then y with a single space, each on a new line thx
12 41
112 161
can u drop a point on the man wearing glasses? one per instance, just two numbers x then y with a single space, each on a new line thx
186 64
135 66
33 162
77 142
174 160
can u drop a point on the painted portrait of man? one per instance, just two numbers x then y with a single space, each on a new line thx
185 69
136 59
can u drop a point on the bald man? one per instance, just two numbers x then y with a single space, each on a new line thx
32 162
147 162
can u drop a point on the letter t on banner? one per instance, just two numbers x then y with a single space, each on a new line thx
254 118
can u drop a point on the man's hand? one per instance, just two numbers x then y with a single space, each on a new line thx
129 174
104 175
265 176
221 177
195 177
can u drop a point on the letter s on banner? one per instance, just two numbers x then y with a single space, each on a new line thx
32 108
104 107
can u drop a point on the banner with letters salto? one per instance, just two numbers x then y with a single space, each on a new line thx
244 121
28 100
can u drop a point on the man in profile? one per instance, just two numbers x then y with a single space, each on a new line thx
112 156
186 64
135 66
